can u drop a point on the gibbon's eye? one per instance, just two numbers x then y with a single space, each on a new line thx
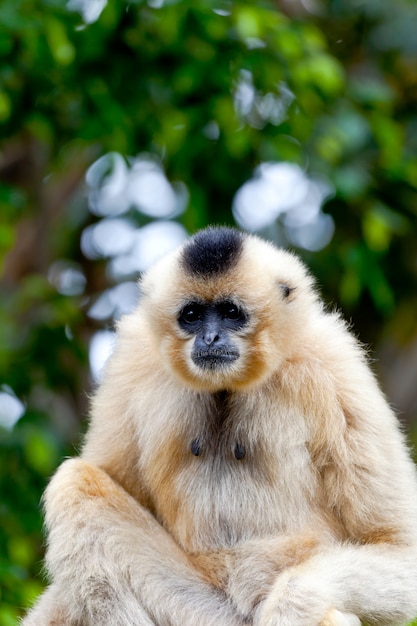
230 311
191 314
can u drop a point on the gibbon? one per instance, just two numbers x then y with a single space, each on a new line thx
241 467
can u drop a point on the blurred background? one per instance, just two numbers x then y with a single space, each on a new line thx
125 127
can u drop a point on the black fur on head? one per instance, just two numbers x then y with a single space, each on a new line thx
212 251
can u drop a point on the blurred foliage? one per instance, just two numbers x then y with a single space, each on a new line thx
157 77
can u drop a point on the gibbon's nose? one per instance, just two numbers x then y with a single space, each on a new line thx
210 334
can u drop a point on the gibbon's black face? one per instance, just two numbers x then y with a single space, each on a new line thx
212 324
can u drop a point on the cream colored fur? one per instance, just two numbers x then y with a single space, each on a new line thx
315 526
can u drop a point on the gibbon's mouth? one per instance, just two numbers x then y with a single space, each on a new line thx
214 358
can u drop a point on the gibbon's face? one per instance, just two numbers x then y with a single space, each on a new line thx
223 309
213 325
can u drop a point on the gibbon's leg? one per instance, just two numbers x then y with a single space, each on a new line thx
377 583
115 563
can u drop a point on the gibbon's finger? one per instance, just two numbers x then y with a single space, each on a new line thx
337 618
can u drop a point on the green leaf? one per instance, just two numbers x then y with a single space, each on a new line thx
380 224
60 46
5 106
322 71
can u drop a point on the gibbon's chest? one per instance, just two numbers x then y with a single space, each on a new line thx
230 473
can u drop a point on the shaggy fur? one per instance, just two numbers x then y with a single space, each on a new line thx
276 491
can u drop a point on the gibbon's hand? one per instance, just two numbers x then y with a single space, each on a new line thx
247 572
300 600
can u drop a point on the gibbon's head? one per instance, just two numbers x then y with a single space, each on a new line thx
226 309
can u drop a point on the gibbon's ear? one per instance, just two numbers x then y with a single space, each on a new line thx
286 290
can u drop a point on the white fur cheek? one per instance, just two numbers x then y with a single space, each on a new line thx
175 358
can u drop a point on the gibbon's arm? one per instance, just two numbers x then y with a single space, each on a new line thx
310 578
370 486
112 564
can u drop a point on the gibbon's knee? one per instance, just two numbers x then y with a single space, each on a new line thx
50 610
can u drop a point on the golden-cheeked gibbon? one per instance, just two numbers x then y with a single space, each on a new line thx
241 466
